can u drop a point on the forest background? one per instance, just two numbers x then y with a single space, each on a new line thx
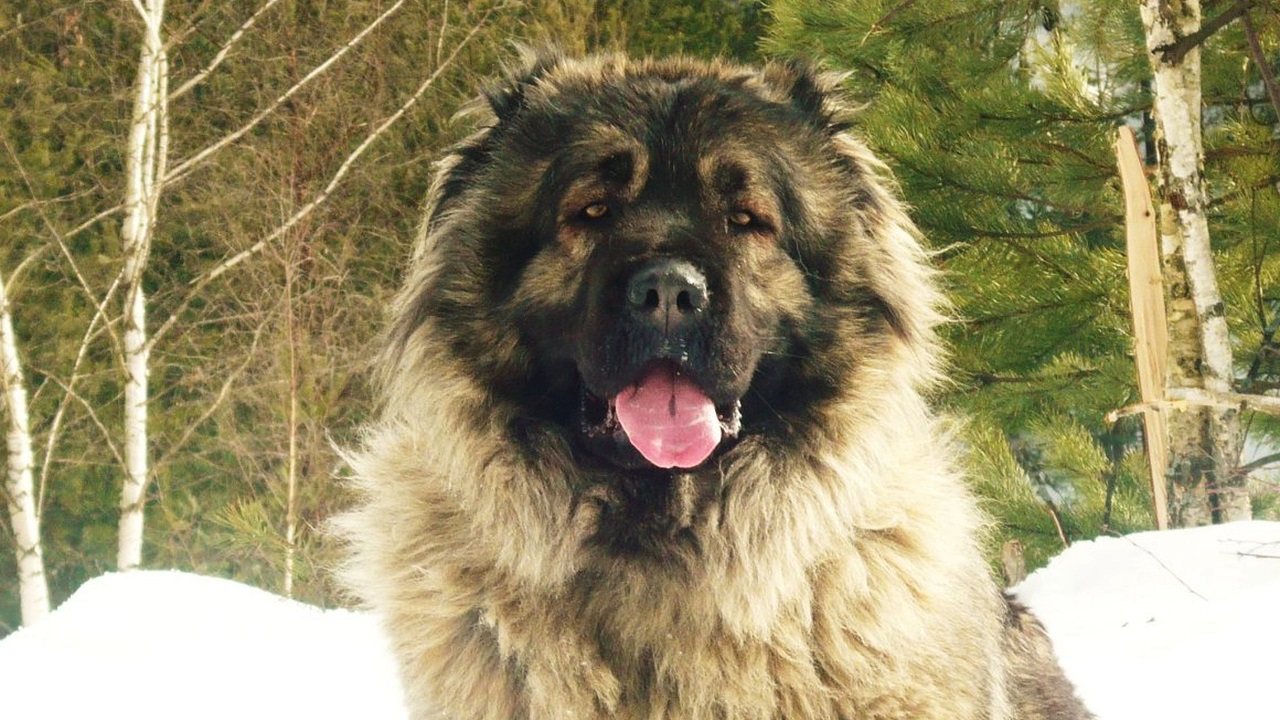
300 137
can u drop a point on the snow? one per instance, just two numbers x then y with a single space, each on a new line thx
1172 625
1176 625
160 645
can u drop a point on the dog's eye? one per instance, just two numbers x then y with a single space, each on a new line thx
595 211
742 218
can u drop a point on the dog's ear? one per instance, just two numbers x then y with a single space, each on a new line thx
507 97
811 90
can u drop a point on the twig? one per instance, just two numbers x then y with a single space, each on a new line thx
444 30
222 54
53 435
93 415
92 221
28 261
1057 522
187 165
1160 562
887 17
61 244
212 407
35 203
198 285
1258 463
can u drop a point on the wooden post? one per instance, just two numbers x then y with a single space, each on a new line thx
1146 298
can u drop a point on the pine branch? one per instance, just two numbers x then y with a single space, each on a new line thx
888 17
1267 345
1067 231
1111 116
1008 194
994 379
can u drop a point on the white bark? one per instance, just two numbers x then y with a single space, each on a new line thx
144 170
1185 233
19 486
291 467
1177 106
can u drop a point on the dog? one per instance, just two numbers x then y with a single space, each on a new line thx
653 437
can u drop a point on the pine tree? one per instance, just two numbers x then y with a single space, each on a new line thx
998 118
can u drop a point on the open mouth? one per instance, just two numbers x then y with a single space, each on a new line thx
663 416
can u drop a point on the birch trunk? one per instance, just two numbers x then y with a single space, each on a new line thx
144 170
33 588
291 469
1204 445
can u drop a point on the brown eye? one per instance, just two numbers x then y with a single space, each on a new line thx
595 211
741 218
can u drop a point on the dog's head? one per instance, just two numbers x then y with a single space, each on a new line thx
653 260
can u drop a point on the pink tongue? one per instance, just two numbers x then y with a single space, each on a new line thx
668 419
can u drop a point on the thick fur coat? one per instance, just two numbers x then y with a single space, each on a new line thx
821 562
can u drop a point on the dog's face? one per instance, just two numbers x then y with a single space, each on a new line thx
653 261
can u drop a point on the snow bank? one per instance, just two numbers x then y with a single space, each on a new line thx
162 645
1176 625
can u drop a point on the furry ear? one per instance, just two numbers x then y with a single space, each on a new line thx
811 90
507 97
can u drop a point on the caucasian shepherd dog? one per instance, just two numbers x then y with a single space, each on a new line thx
652 439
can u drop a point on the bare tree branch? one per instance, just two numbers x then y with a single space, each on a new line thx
1174 52
54 433
184 167
1264 65
223 52
93 416
37 203
198 285
223 393
1177 399
1257 463
61 244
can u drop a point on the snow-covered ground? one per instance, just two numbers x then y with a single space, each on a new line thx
1175 625
158 645
1179 625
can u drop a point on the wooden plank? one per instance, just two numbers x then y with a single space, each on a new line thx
1146 298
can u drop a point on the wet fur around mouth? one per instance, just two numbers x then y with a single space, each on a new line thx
823 563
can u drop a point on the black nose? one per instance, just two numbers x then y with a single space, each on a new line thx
667 292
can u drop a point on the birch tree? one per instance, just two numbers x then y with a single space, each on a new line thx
1204 442
33 588
146 176
144 170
